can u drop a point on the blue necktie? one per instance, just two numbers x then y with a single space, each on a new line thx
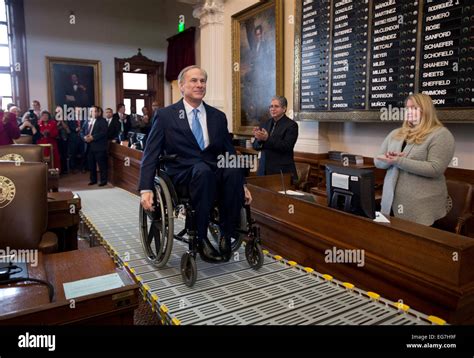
197 129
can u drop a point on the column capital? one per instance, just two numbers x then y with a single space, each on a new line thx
209 12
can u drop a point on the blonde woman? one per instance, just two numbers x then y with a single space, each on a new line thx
416 157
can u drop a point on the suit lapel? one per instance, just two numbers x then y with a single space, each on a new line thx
211 125
181 119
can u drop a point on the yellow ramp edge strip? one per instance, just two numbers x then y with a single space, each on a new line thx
154 302
436 320
373 295
401 306
163 309
348 285
292 263
309 269
327 277
175 322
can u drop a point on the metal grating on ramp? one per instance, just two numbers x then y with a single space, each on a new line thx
280 293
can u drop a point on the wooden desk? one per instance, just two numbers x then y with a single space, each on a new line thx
63 218
124 167
28 303
429 269
53 180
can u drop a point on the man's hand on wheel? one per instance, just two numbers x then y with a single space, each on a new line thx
147 201
248 196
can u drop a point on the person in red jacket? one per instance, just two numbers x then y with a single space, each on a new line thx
49 132
8 128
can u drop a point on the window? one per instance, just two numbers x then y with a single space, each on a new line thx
135 81
13 76
6 91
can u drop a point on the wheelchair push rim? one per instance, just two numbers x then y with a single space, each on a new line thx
157 227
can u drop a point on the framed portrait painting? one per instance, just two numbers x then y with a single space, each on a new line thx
257 60
73 82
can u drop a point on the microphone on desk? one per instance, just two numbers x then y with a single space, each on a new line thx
282 181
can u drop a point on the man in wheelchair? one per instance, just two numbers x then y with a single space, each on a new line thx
195 134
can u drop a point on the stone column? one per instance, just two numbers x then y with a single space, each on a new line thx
211 16
312 137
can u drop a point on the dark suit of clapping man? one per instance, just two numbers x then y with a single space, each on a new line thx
276 138
197 133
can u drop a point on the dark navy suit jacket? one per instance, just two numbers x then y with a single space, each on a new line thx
277 151
99 132
171 134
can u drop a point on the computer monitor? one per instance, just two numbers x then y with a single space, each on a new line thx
351 190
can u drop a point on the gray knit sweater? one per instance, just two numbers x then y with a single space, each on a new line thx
415 186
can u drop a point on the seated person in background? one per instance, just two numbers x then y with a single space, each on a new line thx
276 139
49 132
8 128
124 121
197 134
36 106
113 124
29 126
144 121
16 112
416 157
94 133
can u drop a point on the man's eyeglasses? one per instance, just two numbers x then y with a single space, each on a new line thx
273 106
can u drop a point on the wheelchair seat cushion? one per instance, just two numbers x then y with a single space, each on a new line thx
183 193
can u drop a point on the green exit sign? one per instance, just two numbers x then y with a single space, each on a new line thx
181 27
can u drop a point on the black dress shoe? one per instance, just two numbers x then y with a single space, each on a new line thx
102 184
92 183
225 248
208 253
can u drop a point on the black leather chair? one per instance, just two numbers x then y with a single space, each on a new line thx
460 208
24 207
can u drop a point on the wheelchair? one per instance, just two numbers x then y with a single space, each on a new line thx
157 229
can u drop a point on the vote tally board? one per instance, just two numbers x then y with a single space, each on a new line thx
356 57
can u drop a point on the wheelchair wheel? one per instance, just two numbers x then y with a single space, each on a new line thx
188 269
254 254
214 231
157 227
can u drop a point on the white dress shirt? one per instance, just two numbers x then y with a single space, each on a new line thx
202 119
91 126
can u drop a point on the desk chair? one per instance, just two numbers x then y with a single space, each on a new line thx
303 170
460 205
24 139
24 207
32 153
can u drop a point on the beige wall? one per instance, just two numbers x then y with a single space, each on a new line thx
357 138
104 30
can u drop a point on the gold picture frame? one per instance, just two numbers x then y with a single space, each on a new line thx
257 63
63 89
